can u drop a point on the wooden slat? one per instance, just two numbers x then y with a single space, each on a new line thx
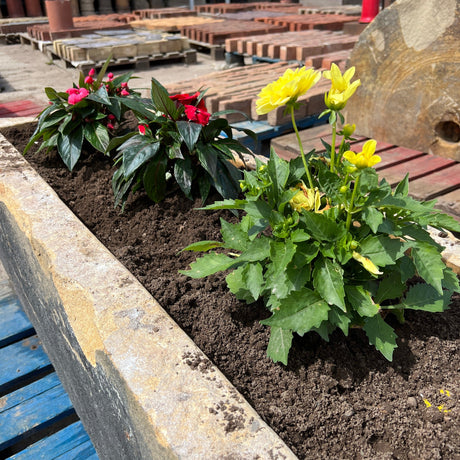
34 414
418 167
14 324
438 183
20 361
71 442
396 155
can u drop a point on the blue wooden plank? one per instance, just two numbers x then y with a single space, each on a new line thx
28 392
33 415
14 324
20 361
69 443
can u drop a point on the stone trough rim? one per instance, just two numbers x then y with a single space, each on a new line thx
131 349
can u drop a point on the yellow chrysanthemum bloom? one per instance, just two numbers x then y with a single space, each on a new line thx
367 263
288 88
341 87
366 158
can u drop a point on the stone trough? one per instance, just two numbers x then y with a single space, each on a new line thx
140 385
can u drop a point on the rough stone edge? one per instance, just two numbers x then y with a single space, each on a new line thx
123 360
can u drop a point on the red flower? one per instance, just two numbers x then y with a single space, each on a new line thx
89 80
110 126
189 99
124 84
76 95
111 116
124 92
110 76
142 129
197 115
91 72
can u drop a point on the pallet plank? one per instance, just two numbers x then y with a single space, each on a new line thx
34 414
14 325
20 361
69 443
397 155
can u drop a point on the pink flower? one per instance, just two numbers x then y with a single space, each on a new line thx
89 80
142 129
76 95
124 92
110 126
111 116
197 115
110 76
124 84
91 72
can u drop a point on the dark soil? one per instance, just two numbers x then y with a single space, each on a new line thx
336 400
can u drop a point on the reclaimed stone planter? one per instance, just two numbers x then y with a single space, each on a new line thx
122 359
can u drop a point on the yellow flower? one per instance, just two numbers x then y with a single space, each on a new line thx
366 158
367 263
306 198
341 87
288 88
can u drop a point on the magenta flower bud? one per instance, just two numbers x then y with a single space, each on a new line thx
124 84
91 73
124 92
110 126
89 80
111 116
110 76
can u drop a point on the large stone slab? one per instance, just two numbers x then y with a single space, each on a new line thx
408 60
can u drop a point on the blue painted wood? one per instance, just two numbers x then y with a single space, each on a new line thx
33 414
14 324
69 443
20 361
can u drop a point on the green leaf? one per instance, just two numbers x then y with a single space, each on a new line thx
368 180
361 301
203 246
69 147
281 254
429 264
425 297
381 335
339 318
117 141
183 174
140 107
372 217
208 159
406 268
237 284
391 287
258 250
328 282
208 265
161 100
100 96
51 93
450 281
190 132
402 189
97 135
299 312
323 228
279 344
154 179
278 170
138 153
234 236
382 250
258 209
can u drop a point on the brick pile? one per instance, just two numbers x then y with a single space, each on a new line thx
350 10
222 8
19 25
300 22
171 24
298 46
238 88
159 13
217 32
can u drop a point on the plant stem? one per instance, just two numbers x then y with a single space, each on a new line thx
352 203
334 135
302 153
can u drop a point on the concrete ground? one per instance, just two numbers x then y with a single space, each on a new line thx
25 72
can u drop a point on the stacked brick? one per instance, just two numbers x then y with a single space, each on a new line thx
159 13
238 88
216 33
171 24
298 46
300 22
222 8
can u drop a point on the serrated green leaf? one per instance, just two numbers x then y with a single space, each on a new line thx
278 170
429 264
323 228
382 250
258 209
450 281
328 282
381 335
279 344
372 217
402 189
208 265
406 268
246 282
361 301
258 250
425 297
281 254
368 180
391 287
340 319
234 236
203 246
254 279
190 132
299 312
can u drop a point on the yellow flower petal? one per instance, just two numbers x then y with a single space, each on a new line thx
341 88
367 263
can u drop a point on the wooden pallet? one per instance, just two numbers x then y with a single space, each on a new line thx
37 418
430 177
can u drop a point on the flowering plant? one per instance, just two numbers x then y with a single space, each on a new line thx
91 111
177 139
322 242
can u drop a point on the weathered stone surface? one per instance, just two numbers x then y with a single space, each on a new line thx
408 60
121 358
